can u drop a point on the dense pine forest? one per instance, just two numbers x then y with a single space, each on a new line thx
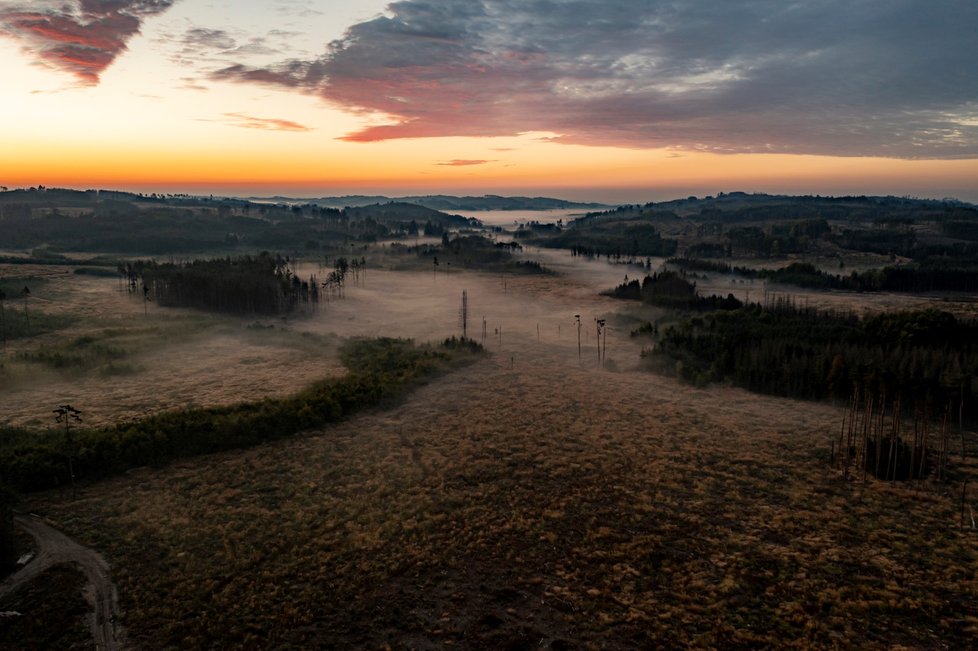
261 285
926 359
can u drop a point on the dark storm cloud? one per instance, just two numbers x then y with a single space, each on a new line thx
851 77
81 37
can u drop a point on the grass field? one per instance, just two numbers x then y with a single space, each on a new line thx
539 505
531 501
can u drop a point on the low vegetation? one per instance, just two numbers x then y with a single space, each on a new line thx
491 511
379 370
48 613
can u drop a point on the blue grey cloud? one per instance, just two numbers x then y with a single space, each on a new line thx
853 77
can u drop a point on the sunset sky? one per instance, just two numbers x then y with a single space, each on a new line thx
612 100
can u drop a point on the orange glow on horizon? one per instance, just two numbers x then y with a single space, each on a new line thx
426 167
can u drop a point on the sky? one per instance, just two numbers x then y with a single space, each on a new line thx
617 101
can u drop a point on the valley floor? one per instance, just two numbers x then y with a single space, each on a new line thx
530 502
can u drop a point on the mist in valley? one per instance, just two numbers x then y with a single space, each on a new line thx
548 483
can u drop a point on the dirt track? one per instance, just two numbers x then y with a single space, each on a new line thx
54 548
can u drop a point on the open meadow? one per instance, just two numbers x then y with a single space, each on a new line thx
534 499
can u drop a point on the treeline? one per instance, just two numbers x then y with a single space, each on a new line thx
917 278
473 252
262 284
611 240
121 223
924 358
673 290
379 371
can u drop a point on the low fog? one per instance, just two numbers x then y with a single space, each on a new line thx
170 357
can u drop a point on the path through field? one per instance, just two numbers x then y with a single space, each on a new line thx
54 548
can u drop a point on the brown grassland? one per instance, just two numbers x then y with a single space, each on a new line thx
531 501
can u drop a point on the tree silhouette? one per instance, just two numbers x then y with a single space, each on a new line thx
67 414
3 319
463 314
26 293
578 318
601 330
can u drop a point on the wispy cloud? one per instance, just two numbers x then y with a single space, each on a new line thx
821 77
462 162
80 37
267 124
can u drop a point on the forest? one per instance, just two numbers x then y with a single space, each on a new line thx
927 359
672 289
112 222
247 285
911 278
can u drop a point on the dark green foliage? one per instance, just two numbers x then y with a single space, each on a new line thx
51 612
380 370
931 276
8 541
81 353
127 223
474 252
884 241
614 240
14 322
261 284
673 290
962 230
924 356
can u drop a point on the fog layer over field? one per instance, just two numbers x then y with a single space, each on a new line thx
166 358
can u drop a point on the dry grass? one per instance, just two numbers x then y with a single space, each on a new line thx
48 613
503 507
532 501
166 359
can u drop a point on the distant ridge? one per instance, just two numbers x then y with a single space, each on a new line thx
443 202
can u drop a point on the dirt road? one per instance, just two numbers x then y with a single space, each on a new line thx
53 548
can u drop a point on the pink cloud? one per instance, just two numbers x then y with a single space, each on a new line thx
80 37
462 162
268 124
